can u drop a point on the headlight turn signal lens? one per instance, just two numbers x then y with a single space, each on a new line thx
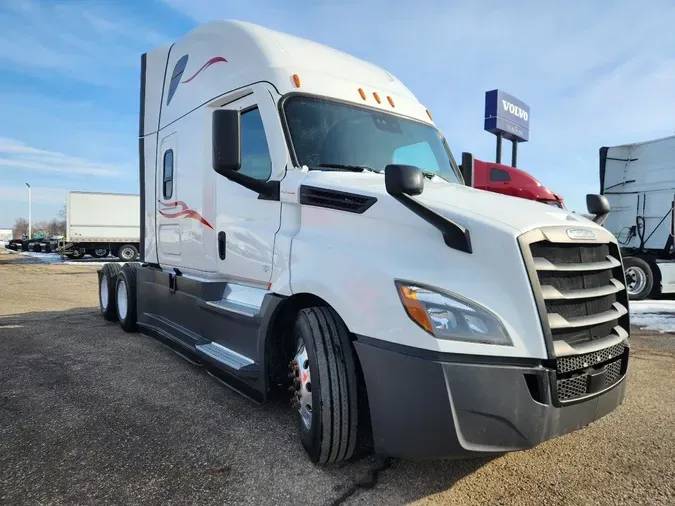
451 316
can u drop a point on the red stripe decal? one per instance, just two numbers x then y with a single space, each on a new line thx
215 59
184 212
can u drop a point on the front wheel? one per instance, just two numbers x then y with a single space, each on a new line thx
324 385
639 277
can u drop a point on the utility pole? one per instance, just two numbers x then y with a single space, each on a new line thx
30 218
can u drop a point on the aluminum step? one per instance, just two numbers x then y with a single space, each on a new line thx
224 355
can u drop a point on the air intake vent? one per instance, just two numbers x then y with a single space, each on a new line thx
333 199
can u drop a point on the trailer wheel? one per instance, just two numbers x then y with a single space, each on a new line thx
98 252
639 278
127 252
324 386
37 247
76 254
107 280
126 298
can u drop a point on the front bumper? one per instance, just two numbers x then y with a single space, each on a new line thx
428 406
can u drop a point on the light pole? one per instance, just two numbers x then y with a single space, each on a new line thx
30 219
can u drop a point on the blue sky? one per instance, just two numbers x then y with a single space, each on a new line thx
592 76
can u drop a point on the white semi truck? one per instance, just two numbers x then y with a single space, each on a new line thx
304 225
100 224
639 182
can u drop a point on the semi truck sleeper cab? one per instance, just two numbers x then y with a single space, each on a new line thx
305 225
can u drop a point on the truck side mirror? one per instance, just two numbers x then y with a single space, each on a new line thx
467 168
598 205
226 141
403 179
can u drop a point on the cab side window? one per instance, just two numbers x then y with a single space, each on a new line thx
167 186
499 175
255 155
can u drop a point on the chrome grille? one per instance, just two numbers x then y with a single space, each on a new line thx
580 291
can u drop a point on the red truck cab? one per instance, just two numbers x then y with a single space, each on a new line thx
499 178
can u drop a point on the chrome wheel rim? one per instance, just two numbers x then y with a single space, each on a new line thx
122 299
636 279
104 292
302 385
127 254
101 252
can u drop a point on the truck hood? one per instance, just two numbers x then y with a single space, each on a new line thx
455 200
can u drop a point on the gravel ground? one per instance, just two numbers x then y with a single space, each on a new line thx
92 415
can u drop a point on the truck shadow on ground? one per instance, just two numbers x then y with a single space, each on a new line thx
122 414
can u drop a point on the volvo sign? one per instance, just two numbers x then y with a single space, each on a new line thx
507 116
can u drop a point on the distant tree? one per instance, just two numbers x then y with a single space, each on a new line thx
56 227
20 228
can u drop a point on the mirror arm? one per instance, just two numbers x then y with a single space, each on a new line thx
600 218
267 190
455 236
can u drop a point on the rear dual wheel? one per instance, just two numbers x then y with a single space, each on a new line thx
117 294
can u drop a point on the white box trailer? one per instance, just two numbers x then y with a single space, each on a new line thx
639 182
102 223
304 225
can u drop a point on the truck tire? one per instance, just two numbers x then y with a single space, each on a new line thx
639 277
37 248
107 281
126 298
76 254
127 252
323 373
98 252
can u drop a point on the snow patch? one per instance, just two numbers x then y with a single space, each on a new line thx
657 315
54 258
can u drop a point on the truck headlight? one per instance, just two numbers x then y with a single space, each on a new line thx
450 316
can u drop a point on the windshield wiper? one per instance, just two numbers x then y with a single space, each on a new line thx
352 168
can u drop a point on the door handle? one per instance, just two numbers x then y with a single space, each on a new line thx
221 245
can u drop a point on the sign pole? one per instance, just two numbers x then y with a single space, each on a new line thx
499 148
514 152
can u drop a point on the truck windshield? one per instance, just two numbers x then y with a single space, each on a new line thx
330 135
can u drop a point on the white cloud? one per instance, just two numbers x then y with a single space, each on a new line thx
16 154
90 42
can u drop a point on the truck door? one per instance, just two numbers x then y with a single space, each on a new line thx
246 225
168 227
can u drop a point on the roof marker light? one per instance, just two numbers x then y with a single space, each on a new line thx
377 97
429 114
296 80
362 93
391 101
